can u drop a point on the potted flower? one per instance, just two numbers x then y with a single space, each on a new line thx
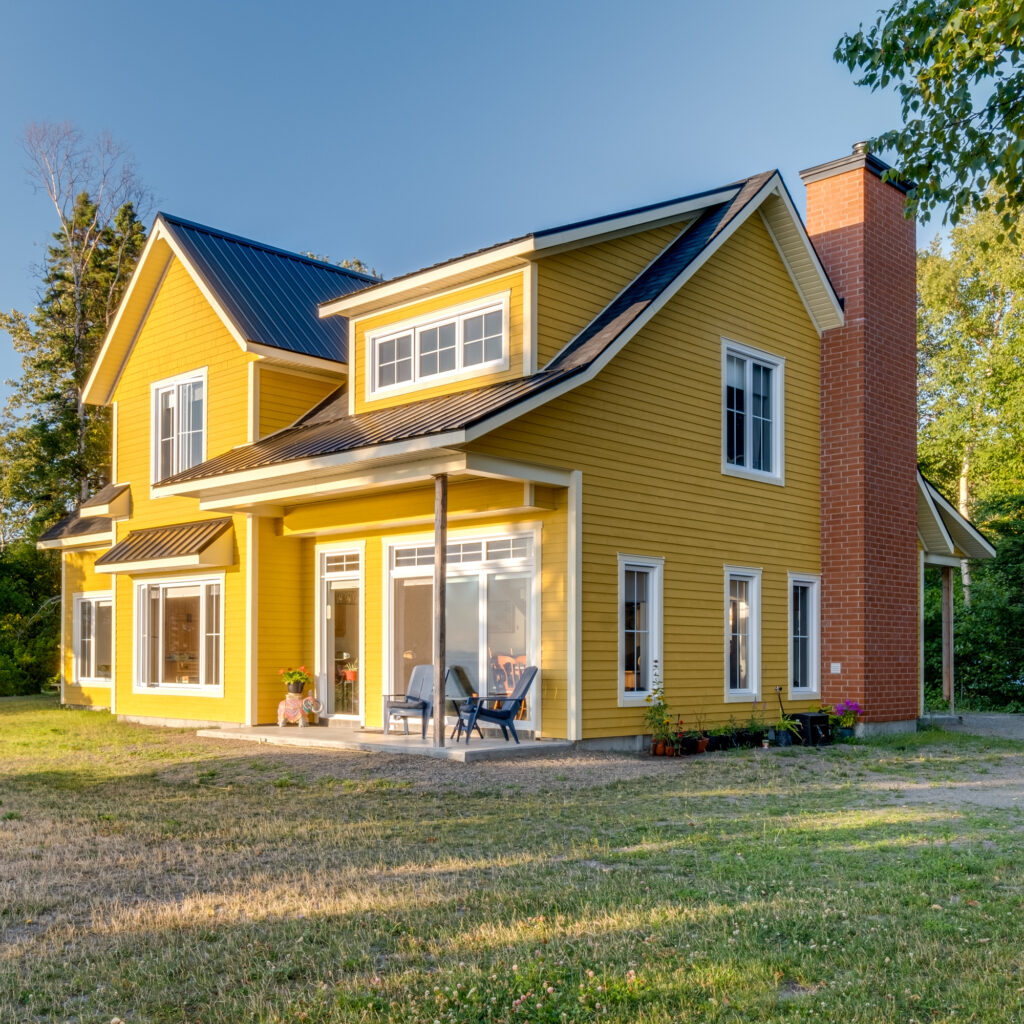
847 714
656 715
295 679
783 731
350 668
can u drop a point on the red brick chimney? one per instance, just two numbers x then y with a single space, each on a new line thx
870 585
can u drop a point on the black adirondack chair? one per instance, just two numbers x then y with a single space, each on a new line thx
481 709
417 701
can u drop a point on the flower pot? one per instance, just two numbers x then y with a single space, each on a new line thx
670 750
349 675
845 732
702 744
295 687
659 748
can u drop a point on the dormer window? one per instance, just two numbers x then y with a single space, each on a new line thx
179 424
449 345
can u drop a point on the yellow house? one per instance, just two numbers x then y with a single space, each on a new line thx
612 428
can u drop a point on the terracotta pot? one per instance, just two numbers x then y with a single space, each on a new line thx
670 750
350 675
659 748
702 744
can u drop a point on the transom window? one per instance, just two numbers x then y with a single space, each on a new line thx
751 413
181 633
179 424
804 628
640 595
742 633
93 639
461 342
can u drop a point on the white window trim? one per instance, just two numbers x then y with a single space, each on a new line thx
753 692
656 566
175 689
534 563
157 386
814 582
778 366
414 325
321 660
93 596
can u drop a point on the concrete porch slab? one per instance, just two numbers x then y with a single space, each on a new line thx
487 749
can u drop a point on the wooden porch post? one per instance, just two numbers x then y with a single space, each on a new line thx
947 638
440 579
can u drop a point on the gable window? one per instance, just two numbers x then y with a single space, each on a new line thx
804 632
180 634
93 639
179 424
742 633
457 343
640 595
752 385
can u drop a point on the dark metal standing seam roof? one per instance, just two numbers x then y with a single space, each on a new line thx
269 294
165 542
73 525
329 430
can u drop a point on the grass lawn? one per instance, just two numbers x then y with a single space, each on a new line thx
151 876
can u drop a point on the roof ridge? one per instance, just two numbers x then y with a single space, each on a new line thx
273 250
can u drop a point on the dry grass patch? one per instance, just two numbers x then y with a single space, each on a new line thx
156 877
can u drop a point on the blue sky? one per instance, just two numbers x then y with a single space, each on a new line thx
404 133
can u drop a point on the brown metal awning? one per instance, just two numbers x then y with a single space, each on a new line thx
204 544
112 500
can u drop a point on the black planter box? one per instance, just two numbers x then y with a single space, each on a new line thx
815 730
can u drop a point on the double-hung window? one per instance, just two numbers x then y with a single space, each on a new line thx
179 424
742 633
457 343
752 429
640 625
93 639
804 633
180 630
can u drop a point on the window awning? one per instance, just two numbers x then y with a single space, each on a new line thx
205 544
112 500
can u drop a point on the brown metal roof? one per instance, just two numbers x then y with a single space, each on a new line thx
105 495
73 525
328 429
159 542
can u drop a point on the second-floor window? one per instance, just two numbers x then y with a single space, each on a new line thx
752 413
456 343
179 424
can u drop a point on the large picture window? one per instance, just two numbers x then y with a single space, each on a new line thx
93 639
804 631
180 633
742 633
751 413
179 424
458 343
640 594
490 612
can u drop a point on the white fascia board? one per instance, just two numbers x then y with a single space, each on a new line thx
819 278
949 561
929 493
946 512
154 565
87 391
88 542
509 469
284 356
529 248
326 486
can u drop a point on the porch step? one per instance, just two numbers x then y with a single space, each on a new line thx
487 749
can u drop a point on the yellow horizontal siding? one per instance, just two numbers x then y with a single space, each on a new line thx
80 577
573 287
182 333
647 435
361 329
284 395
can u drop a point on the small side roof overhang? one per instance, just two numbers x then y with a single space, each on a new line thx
77 531
946 536
202 545
114 500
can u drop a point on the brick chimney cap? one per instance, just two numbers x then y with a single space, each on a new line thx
860 157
